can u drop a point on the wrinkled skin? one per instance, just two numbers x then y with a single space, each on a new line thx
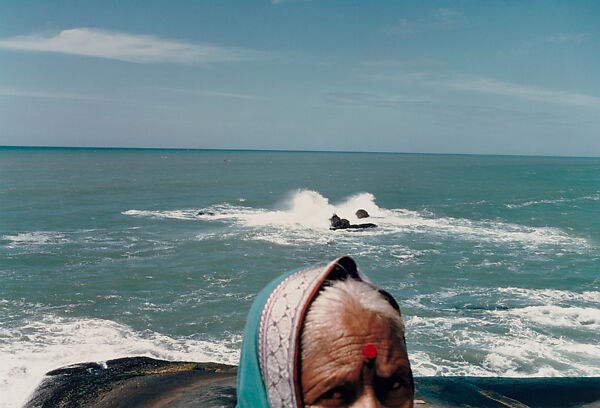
341 376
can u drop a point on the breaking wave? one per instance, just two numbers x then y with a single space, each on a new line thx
535 333
28 352
305 217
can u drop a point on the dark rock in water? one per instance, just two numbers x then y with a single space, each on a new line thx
365 225
339 223
334 219
205 213
362 213
497 392
354 226
342 223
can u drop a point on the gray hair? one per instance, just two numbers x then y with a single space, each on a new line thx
341 297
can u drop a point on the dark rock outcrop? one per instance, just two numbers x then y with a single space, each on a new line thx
342 223
362 214
135 382
339 223
355 226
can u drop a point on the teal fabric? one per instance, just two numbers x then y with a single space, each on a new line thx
251 391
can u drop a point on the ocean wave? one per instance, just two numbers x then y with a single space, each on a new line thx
548 296
486 231
304 218
508 332
580 318
501 298
502 343
58 241
175 214
28 352
594 197
34 239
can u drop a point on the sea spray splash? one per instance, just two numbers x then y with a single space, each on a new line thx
309 209
305 215
305 208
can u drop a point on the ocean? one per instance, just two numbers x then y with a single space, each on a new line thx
106 253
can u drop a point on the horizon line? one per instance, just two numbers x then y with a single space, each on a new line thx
288 151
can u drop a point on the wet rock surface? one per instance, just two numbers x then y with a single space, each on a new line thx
361 214
341 223
486 392
338 223
137 382
353 226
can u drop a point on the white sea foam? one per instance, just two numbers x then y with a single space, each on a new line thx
548 333
34 238
304 218
500 343
487 231
176 214
548 296
580 318
28 352
594 197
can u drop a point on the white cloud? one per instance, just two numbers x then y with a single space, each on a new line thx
566 38
136 48
445 16
441 19
398 63
210 93
48 95
492 86
422 106
368 99
546 44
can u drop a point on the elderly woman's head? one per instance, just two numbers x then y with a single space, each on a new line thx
324 337
353 351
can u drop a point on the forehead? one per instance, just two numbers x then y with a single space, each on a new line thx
341 348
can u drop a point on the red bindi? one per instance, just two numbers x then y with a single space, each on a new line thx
370 351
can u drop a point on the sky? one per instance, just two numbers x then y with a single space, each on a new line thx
437 76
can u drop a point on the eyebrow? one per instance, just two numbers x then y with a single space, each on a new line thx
339 377
402 369
348 375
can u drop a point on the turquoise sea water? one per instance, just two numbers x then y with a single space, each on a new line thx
494 260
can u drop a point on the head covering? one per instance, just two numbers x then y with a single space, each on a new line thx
268 374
